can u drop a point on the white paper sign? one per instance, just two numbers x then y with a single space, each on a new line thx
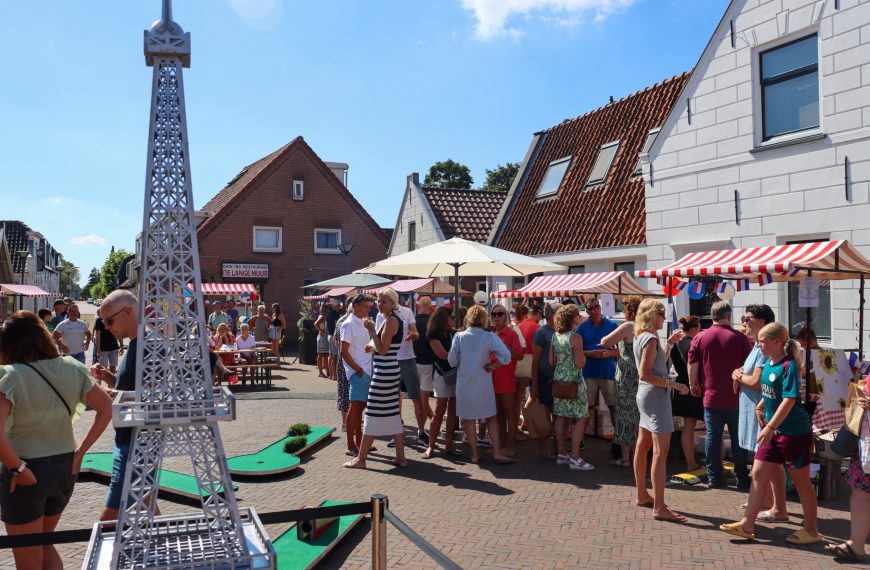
808 294
669 312
502 286
608 305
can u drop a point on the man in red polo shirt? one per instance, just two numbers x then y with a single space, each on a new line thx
715 351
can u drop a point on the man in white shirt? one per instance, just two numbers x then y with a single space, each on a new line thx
408 364
72 335
357 357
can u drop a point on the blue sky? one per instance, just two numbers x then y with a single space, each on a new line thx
389 87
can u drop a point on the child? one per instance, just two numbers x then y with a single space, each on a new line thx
786 436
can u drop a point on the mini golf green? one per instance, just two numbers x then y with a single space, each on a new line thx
295 554
272 459
171 482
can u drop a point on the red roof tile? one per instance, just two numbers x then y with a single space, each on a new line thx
468 214
584 217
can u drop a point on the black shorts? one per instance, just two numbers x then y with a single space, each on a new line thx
49 497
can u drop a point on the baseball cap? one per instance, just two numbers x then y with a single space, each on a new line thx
536 308
218 303
481 298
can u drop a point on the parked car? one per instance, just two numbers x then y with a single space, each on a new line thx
91 300
97 302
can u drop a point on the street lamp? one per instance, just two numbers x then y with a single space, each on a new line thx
25 256
345 249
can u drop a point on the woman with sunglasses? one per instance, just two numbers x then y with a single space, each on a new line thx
505 382
440 337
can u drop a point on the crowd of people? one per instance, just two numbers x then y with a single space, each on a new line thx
745 377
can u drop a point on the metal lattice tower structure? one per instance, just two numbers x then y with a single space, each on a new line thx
175 411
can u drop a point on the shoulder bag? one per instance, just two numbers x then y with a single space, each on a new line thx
53 389
447 374
564 390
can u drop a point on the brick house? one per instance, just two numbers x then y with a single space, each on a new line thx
430 215
769 144
278 225
578 198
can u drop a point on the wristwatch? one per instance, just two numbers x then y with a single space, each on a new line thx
20 469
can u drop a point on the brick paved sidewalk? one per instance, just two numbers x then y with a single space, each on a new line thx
527 515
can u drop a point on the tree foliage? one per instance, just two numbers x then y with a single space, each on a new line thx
501 177
69 277
109 273
91 289
448 174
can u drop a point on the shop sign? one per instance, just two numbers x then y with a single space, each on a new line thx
245 270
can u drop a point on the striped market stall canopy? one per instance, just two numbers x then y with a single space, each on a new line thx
830 260
334 292
429 286
226 288
24 290
572 284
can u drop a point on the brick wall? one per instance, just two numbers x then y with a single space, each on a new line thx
269 202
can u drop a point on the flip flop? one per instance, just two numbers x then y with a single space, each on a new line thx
735 529
676 518
844 552
427 455
768 516
352 465
801 536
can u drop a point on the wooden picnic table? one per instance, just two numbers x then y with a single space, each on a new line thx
261 369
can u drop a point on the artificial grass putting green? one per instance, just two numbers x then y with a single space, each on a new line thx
295 554
272 459
171 482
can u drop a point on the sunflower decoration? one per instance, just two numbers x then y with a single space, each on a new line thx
828 361
820 387
842 403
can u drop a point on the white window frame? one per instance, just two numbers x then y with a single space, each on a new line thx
758 107
603 179
550 166
335 251
651 137
298 190
278 249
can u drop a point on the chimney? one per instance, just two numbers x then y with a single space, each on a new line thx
340 171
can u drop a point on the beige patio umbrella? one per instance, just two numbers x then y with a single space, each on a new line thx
457 257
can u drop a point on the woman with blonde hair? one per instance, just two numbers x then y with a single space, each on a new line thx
471 351
786 436
627 416
322 342
567 359
654 404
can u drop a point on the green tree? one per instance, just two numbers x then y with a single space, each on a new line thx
501 177
69 277
109 273
448 174
89 290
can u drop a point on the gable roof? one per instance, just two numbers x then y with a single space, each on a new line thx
16 240
581 217
251 175
468 214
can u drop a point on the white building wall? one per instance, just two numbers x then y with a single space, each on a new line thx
415 208
786 193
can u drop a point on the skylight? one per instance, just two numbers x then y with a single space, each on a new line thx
603 163
650 139
553 178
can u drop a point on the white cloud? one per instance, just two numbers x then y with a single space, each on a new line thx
90 240
259 14
58 200
493 15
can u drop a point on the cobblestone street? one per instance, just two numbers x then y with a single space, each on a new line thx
527 515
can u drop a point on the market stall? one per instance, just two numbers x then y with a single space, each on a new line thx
22 291
430 286
616 283
333 293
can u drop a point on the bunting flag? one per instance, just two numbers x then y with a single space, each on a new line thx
697 290
681 285
721 287
792 272
764 279
742 284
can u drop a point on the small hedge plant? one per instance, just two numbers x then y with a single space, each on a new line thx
294 444
299 429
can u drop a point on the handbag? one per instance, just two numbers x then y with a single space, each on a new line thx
448 375
846 443
564 390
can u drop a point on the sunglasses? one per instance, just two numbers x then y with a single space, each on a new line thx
592 307
109 321
499 314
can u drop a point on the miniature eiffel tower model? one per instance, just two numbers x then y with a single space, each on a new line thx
174 411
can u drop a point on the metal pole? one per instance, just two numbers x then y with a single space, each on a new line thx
861 321
379 531
20 295
808 364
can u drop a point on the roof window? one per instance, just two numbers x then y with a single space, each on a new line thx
553 179
603 163
650 139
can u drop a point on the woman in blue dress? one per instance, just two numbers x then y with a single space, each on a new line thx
472 351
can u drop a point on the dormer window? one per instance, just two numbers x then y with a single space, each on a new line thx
553 179
603 163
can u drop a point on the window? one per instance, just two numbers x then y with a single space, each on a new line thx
298 189
603 163
628 267
650 139
412 236
790 87
701 307
553 179
821 315
577 269
326 241
267 239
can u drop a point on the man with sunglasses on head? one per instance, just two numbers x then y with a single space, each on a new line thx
600 368
121 310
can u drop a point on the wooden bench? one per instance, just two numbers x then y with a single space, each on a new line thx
261 373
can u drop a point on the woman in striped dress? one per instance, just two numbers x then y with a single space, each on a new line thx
383 416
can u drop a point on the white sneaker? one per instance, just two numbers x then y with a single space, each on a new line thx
579 465
484 442
563 460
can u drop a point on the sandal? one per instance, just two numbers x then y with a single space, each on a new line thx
672 517
736 529
768 516
844 552
427 454
352 465
801 536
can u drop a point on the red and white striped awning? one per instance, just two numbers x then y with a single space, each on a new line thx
334 292
828 260
571 284
227 288
427 286
24 290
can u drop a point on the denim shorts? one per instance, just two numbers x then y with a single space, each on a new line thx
120 454
53 489
359 387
